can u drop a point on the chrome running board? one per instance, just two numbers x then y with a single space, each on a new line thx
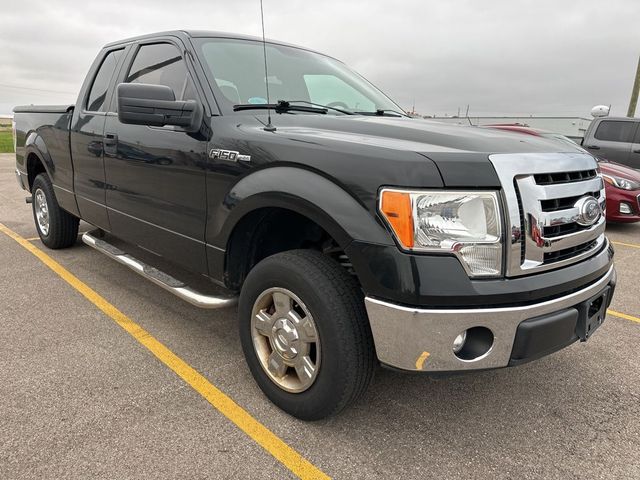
173 285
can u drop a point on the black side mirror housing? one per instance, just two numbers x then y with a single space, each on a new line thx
156 106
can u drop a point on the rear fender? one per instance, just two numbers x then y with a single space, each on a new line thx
35 146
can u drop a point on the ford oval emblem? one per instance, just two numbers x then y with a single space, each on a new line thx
589 211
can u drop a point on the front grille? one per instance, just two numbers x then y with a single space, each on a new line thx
554 204
564 177
542 194
563 229
568 252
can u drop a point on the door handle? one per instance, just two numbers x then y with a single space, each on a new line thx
593 147
110 144
636 150
110 139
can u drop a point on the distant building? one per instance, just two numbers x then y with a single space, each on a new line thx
572 127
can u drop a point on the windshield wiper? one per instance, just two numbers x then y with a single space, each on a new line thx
382 113
281 106
346 112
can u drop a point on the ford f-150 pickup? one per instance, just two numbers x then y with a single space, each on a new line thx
350 234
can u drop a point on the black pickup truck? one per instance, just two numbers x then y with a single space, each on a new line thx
349 233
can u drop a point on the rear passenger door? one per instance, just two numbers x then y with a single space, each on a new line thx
156 194
87 129
612 140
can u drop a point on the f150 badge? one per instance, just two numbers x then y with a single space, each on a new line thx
228 155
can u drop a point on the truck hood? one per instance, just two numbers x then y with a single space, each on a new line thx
459 152
411 134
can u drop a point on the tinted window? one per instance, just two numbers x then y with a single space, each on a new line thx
98 93
615 131
162 64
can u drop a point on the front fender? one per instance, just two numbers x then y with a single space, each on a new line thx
308 193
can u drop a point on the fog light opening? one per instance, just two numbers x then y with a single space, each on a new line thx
625 208
474 344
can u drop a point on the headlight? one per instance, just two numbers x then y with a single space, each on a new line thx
466 224
619 182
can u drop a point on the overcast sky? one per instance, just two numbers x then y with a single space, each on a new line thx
500 57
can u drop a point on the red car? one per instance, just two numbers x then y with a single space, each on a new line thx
622 183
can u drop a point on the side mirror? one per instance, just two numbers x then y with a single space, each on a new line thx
156 106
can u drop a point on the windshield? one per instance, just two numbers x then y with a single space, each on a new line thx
236 69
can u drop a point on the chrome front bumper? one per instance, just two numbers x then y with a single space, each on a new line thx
422 339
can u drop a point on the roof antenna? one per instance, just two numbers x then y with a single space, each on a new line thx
467 116
268 127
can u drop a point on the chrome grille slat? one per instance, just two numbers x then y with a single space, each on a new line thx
561 229
563 203
559 217
569 252
573 239
540 193
573 189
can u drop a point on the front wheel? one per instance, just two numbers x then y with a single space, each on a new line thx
305 333
56 227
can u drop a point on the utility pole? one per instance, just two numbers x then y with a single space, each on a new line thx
634 93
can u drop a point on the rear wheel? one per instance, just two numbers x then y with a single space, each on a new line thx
56 227
305 333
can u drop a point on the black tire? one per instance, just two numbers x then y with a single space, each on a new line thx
335 300
63 227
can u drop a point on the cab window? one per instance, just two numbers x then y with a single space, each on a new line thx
162 64
96 101
614 131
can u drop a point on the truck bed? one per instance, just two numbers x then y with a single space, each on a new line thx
44 130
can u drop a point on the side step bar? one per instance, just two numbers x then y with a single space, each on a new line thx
165 281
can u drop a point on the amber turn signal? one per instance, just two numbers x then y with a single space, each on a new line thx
396 208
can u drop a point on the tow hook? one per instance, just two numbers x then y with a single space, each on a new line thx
29 199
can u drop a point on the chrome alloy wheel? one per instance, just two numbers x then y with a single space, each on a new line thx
42 211
285 339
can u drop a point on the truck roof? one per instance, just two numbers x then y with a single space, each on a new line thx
632 119
202 34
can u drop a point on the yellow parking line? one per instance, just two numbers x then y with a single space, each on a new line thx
623 315
633 245
264 437
33 239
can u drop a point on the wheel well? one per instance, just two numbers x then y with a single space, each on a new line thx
34 168
267 231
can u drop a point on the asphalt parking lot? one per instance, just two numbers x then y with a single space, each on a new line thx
82 398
